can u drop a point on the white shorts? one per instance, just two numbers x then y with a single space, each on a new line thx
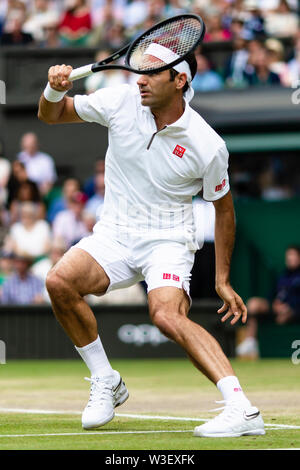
130 259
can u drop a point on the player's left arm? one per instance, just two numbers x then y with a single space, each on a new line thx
224 242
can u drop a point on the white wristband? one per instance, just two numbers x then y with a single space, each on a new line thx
53 95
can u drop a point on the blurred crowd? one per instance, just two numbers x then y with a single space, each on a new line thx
40 221
258 31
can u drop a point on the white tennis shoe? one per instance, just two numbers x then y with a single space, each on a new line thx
237 419
106 394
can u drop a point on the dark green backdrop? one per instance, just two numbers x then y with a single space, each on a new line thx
264 231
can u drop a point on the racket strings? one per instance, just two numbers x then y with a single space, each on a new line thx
180 36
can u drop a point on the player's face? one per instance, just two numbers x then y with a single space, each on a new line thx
156 89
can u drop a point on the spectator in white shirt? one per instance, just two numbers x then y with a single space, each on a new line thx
283 22
43 14
39 166
29 235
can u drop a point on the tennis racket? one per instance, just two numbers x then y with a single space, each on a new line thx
181 34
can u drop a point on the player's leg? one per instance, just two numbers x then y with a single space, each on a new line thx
168 307
168 310
74 276
167 267
78 273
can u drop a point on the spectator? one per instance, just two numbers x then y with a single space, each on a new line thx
275 53
40 268
237 29
14 35
294 64
135 13
282 22
95 203
90 185
17 177
26 192
89 220
4 224
275 185
22 287
42 15
30 235
258 72
39 166
109 29
206 79
101 9
68 225
5 169
51 36
254 20
109 78
215 31
133 295
156 9
236 64
6 267
76 24
173 8
70 187
284 306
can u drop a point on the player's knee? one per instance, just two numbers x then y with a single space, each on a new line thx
164 321
57 287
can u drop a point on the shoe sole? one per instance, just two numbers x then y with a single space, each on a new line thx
254 432
121 396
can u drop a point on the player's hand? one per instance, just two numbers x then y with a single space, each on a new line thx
233 304
58 77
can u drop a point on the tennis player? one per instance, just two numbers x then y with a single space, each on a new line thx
161 153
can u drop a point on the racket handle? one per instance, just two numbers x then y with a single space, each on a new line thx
81 72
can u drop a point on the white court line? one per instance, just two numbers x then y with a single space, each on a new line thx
272 426
88 433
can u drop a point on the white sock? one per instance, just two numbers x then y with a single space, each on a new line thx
230 388
95 358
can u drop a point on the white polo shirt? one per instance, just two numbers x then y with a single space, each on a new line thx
151 176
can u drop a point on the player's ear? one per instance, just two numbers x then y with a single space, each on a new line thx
181 79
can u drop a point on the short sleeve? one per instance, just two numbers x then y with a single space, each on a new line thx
101 105
216 180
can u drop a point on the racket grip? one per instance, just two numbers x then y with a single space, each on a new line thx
81 72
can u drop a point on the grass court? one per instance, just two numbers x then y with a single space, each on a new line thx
41 404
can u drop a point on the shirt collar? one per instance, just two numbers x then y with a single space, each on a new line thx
181 123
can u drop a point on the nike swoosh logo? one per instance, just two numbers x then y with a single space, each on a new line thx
252 416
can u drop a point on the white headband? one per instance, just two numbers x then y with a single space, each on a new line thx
168 56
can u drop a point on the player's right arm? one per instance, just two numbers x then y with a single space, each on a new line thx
62 111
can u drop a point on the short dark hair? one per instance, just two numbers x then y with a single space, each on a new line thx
294 247
191 60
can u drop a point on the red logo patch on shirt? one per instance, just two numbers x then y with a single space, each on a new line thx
179 151
166 276
220 186
175 278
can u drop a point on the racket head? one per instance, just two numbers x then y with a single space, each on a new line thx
181 34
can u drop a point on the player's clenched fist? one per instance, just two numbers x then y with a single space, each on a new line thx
58 77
